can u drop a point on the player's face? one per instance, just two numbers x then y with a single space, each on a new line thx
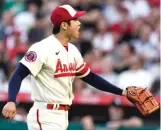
73 30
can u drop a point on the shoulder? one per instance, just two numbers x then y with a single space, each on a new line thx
37 50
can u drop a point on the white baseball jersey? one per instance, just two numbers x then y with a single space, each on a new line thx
54 69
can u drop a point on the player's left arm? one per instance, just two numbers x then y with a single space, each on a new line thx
141 97
101 84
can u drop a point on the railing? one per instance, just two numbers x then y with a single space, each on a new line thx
96 99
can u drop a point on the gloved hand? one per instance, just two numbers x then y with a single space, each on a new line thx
143 99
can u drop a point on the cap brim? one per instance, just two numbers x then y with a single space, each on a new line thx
79 14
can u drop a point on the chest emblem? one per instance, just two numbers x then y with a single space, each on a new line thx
63 70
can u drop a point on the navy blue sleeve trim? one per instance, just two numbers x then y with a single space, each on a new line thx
19 74
101 84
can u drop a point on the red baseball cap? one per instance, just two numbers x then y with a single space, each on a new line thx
64 13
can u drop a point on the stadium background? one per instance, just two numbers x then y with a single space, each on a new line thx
119 41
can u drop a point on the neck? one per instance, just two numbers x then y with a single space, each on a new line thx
62 38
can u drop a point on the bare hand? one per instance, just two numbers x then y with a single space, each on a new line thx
9 110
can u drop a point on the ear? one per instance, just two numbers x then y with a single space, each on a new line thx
64 25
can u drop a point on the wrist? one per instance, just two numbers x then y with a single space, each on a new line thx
11 102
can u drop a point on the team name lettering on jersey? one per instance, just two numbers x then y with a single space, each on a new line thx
63 70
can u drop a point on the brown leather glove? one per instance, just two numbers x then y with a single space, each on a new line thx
143 99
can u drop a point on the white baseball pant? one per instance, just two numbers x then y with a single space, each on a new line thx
41 118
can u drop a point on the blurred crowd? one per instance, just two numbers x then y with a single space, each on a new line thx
119 39
115 119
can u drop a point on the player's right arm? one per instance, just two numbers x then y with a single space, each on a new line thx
31 63
19 74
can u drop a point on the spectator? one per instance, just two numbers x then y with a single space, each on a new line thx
111 11
93 59
18 51
87 122
136 75
117 120
93 12
137 8
108 73
143 45
26 19
137 24
4 66
122 56
8 31
103 40
37 32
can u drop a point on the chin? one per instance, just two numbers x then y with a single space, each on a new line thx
76 37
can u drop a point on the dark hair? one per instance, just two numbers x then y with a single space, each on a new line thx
132 48
56 29
39 15
38 3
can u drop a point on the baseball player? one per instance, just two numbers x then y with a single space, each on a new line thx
54 63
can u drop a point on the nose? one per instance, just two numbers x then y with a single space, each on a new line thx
79 23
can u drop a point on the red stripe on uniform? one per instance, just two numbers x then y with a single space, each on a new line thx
83 71
64 75
80 67
37 114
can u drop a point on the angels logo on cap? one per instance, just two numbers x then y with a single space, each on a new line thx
30 56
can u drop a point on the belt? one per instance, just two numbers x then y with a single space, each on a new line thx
61 107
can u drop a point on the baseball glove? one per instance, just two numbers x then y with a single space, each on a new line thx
143 99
